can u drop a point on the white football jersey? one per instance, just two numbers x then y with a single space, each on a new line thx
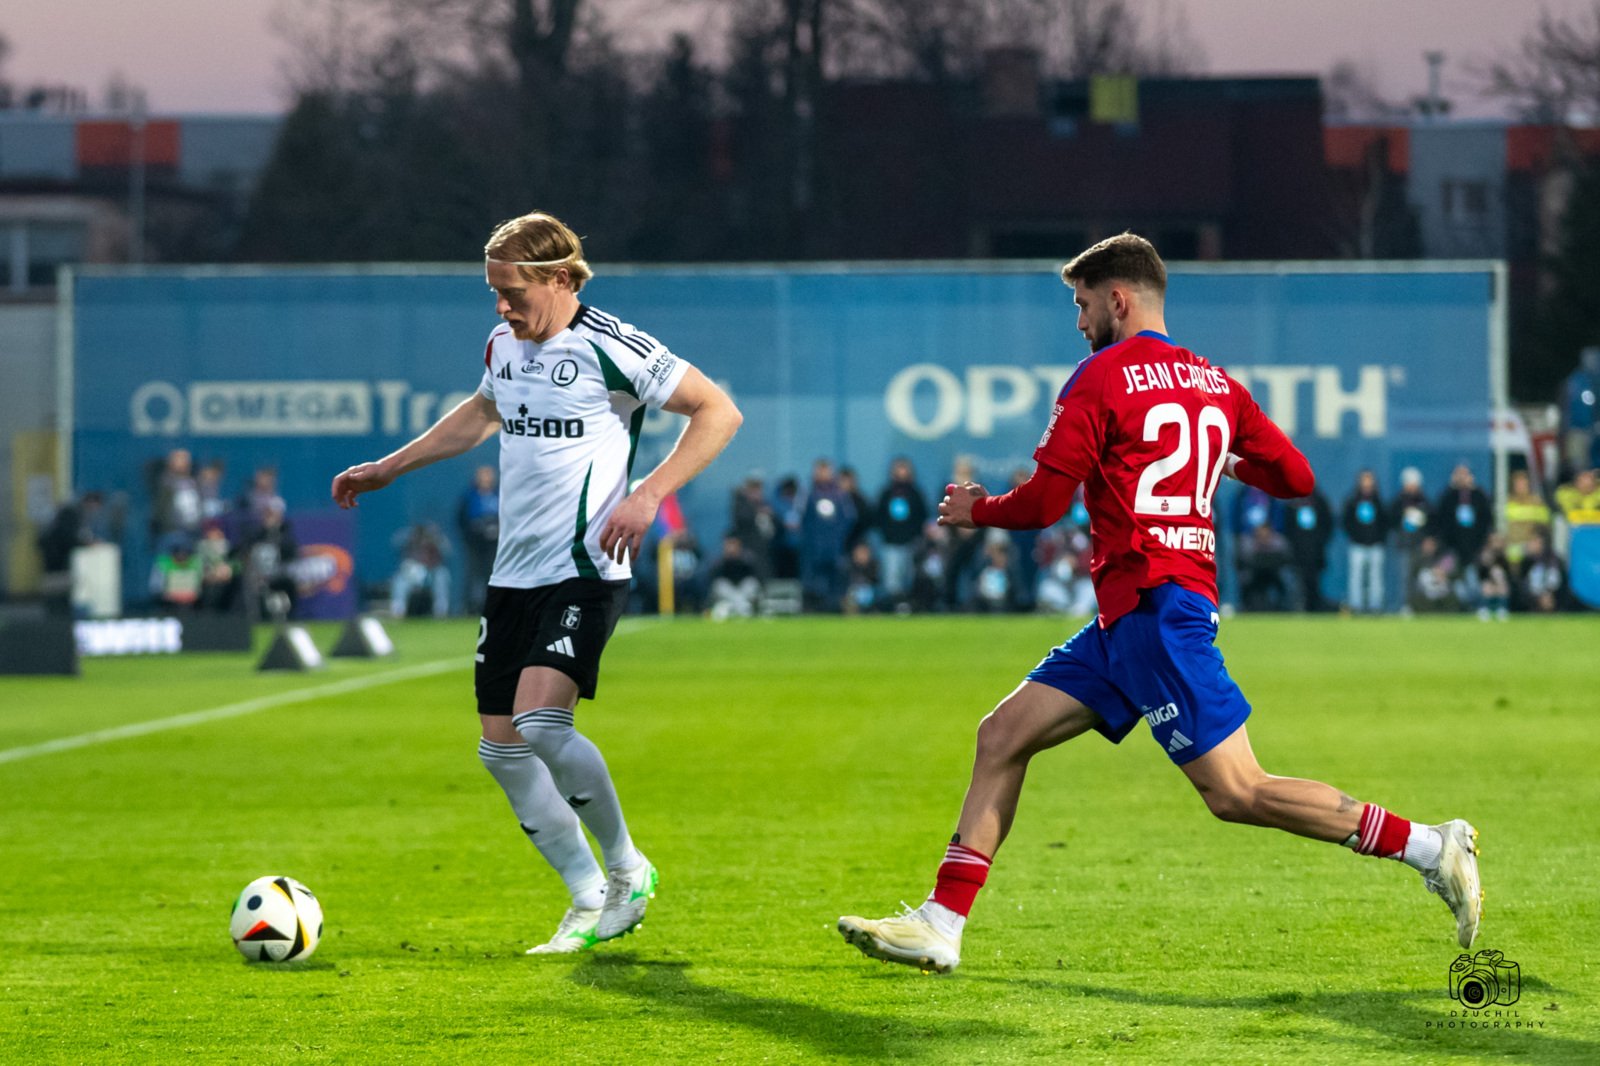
570 414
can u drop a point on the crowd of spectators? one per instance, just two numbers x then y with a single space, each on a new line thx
827 545
840 550
213 553
209 553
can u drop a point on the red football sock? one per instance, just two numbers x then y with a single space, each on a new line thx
1382 833
961 874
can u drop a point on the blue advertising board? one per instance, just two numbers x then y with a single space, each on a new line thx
310 370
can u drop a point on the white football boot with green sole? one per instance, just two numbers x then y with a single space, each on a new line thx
574 934
628 892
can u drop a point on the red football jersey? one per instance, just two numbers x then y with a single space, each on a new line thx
1146 427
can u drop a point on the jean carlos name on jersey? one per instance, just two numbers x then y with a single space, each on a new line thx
1143 378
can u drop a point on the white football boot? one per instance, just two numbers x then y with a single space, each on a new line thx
628 892
907 938
574 934
1455 878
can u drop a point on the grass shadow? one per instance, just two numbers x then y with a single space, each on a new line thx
825 1031
1403 1015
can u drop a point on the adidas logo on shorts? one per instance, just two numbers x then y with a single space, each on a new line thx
562 647
1178 742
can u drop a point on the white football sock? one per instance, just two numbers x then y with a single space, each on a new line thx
943 918
546 819
1422 847
580 773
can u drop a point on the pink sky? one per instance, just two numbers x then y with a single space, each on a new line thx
206 55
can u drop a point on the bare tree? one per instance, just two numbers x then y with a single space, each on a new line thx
333 40
1350 94
1088 37
329 40
518 52
935 40
1553 75
930 40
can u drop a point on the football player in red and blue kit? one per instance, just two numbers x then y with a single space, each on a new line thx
1148 429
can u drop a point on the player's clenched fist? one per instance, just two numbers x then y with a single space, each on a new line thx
956 507
363 477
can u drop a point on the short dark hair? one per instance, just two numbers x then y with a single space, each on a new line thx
1126 257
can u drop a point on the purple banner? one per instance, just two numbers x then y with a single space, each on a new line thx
324 572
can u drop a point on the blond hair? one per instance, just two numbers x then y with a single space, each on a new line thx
1126 257
538 245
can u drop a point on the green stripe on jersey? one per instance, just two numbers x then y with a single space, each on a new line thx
616 380
580 554
635 425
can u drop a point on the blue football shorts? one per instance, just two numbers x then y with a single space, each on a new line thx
1159 662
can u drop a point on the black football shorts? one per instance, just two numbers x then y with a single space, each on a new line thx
563 626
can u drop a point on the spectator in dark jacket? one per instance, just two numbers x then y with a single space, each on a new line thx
1463 518
733 581
850 485
262 496
1263 557
219 590
478 518
267 553
827 518
1366 523
753 521
862 588
1308 528
1024 556
1494 580
422 565
901 514
1541 581
1437 578
176 516
77 524
786 503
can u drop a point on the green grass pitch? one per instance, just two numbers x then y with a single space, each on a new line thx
780 774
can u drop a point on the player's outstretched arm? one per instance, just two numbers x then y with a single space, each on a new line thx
468 425
1285 477
1263 455
1037 503
713 420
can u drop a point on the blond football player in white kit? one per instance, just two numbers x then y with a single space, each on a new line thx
566 387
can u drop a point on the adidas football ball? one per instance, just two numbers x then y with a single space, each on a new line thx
276 919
